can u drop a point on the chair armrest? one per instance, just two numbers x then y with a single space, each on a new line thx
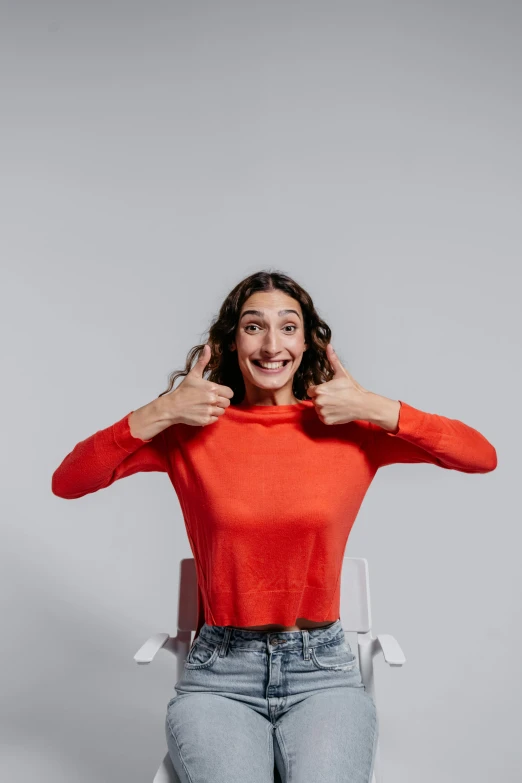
148 650
390 647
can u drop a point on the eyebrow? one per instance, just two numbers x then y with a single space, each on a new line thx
261 314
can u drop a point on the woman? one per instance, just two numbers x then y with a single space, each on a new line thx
270 457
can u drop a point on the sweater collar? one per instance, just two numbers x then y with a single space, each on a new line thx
269 413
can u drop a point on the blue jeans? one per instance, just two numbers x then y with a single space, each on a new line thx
249 700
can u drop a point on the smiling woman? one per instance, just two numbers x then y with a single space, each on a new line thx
269 495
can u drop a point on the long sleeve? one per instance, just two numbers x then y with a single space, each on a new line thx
103 458
427 437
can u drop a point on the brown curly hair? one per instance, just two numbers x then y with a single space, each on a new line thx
223 365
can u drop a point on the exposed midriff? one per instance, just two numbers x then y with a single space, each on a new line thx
301 623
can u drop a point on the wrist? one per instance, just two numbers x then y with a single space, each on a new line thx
149 420
165 410
382 411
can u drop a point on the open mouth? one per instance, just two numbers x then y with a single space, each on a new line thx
285 361
278 368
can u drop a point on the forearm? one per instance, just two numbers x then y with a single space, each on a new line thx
419 436
152 418
380 410
110 454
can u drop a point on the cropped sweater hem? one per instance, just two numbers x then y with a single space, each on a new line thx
273 607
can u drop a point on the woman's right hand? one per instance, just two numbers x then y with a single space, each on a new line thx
196 401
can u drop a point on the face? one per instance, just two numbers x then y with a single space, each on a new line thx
275 333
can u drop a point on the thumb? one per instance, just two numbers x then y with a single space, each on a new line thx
202 361
335 362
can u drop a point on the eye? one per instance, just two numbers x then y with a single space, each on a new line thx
291 326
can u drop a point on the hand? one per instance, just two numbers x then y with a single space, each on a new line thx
196 401
340 400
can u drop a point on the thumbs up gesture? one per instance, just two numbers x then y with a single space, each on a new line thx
340 400
197 401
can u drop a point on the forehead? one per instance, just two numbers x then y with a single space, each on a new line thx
271 302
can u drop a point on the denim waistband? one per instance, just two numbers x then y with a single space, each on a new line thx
230 636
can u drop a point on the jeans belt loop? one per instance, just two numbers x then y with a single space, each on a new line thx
224 644
306 649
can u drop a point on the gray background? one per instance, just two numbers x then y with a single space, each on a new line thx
152 155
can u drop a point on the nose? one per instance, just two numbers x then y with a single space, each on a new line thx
271 345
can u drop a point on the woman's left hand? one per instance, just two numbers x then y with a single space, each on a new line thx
340 400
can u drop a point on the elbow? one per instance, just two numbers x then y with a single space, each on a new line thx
490 463
56 487
59 488
55 484
70 488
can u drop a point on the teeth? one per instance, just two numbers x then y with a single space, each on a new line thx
271 365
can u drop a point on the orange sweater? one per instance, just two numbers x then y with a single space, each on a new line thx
269 495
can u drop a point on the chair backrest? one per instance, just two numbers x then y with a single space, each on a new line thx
356 613
355 595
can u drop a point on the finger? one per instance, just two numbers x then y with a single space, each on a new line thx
216 414
223 391
222 402
218 409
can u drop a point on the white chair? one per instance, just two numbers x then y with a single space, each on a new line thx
355 617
